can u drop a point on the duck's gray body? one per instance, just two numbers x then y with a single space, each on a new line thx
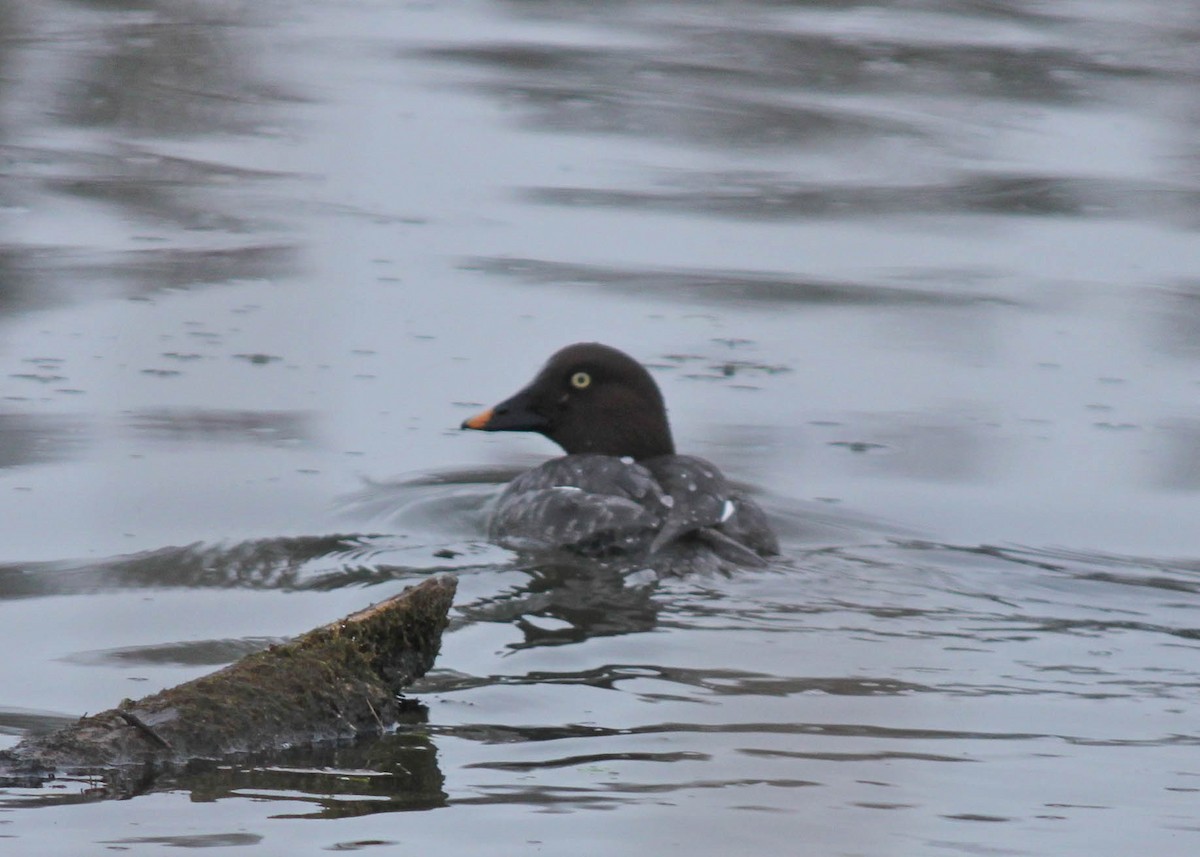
656 512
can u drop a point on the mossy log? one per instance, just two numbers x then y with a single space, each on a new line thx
334 683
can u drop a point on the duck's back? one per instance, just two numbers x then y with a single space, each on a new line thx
702 503
673 512
591 504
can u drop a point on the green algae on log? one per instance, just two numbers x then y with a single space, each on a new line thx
336 682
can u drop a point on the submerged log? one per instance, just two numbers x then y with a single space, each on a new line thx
334 683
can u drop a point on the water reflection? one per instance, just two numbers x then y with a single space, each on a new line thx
14 721
1176 322
562 604
923 447
727 287
83 148
1179 455
716 84
34 278
394 773
771 196
183 426
278 563
192 653
33 439
166 67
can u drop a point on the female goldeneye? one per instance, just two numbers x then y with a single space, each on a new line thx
620 492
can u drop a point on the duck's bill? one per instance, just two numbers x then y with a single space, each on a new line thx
513 414
479 421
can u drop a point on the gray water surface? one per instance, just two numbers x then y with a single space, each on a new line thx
925 275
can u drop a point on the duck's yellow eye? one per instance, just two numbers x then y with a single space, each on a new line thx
581 380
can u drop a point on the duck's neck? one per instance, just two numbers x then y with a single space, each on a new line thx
637 434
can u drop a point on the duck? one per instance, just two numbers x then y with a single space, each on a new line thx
620 493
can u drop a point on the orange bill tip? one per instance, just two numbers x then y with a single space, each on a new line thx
479 421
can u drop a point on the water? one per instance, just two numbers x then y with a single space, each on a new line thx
922 273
